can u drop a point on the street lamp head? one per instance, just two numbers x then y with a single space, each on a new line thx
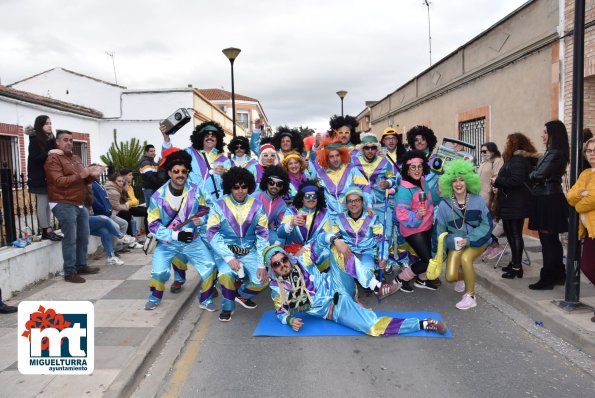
342 94
231 53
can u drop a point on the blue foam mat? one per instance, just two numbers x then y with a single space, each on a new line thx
269 325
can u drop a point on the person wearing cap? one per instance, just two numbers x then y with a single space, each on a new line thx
337 174
305 219
415 214
272 189
176 211
381 177
343 129
239 147
237 230
392 141
464 215
297 286
297 170
208 160
267 157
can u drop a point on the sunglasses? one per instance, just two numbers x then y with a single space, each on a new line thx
310 196
237 187
354 201
276 264
344 132
240 147
278 184
589 151
178 171
369 148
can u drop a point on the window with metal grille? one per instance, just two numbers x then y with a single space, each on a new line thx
243 119
9 153
474 132
80 148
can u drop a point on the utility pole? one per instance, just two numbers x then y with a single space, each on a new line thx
427 3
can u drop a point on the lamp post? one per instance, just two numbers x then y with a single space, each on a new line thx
342 95
232 53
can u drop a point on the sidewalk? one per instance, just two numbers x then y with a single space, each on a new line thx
125 334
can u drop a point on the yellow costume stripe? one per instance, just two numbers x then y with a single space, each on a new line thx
156 284
380 326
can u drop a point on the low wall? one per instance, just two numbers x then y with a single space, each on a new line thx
20 268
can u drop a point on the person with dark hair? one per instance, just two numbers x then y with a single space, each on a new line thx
237 230
149 174
513 197
176 213
466 218
415 214
337 174
547 194
343 129
133 203
305 218
299 287
491 162
41 141
422 138
287 140
378 171
586 136
297 170
272 188
118 199
208 160
392 143
239 147
67 182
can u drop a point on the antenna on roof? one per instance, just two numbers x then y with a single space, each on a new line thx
427 3
112 54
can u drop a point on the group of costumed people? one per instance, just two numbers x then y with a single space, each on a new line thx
318 224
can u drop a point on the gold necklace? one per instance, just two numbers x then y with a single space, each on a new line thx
463 210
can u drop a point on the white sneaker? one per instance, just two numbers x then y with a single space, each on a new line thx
135 245
460 286
127 239
114 261
467 302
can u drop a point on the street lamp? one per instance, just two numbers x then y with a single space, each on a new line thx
342 95
232 53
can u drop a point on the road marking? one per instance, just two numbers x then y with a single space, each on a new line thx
188 358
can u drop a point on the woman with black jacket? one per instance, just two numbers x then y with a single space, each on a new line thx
549 209
513 196
41 141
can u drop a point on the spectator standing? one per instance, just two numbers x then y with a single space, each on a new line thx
67 181
148 171
491 163
134 206
41 141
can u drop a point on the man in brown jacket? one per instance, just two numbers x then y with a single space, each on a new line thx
67 182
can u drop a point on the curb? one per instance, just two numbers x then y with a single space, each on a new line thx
571 332
125 383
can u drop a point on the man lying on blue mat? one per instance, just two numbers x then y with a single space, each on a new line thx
302 288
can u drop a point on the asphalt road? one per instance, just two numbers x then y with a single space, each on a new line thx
495 352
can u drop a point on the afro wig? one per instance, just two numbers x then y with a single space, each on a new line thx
298 199
424 131
178 157
459 169
297 144
199 133
277 172
409 155
241 141
328 145
237 175
337 122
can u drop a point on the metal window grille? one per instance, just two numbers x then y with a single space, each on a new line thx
242 119
9 153
80 148
474 132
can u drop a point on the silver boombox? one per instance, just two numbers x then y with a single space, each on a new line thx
176 121
452 149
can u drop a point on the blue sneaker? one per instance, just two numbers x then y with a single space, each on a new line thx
208 307
149 305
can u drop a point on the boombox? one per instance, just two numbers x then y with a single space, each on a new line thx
176 121
451 149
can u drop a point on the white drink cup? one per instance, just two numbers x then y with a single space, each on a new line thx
459 243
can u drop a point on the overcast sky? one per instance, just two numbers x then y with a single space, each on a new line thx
295 54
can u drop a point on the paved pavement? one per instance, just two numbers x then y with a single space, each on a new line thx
125 334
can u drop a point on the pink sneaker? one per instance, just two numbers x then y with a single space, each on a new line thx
467 302
460 286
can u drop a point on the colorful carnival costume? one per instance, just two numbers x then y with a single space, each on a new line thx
274 203
178 236
238 231
304 289
470 220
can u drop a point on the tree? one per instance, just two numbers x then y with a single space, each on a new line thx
306 131
124 155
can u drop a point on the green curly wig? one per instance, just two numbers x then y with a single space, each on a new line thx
455 169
